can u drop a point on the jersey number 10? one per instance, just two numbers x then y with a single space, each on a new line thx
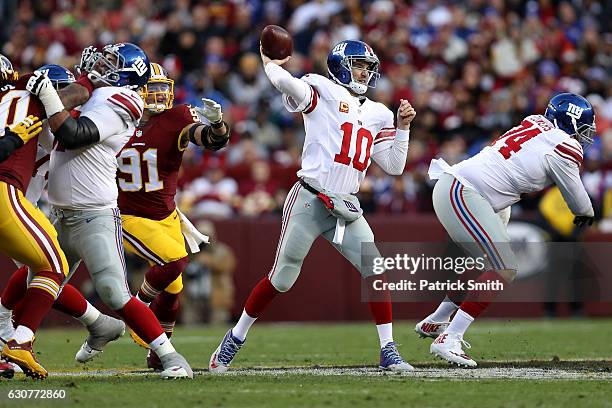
130 163
343 156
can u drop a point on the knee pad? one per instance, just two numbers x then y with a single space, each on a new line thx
113 292
284 277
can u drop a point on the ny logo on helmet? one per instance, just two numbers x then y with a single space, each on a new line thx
140 66
574 111
339 49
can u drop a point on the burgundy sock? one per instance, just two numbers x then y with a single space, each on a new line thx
71 302
39 298
260 297
166 307
140 319
15 288
158 277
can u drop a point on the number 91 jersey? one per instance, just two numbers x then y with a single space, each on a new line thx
150 161
342 133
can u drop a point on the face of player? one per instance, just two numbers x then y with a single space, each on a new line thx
158 96
105 64
360 70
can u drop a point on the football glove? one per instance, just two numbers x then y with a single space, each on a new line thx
27 129
85 64
211 110
581 220
40 85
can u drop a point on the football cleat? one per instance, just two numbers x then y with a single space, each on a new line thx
137 339
23 355
153 361
429 328
6 369
390 359
175 366
448 347
221 359
6 326
104 330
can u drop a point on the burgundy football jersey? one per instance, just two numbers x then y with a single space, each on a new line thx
149 164
15 104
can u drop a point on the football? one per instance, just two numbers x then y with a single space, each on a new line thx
276 42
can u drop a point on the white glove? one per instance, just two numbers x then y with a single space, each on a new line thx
40 85
211 111
85 64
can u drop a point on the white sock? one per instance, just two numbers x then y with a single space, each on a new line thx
4 310
241 328
146 303
23 334
460 323
162 346
385 333
91 315
444 311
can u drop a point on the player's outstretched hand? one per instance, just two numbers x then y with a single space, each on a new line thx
27 129
405 114
39 84
581 220
211 110
85 64
265 59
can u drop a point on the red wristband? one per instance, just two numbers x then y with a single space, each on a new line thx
83 80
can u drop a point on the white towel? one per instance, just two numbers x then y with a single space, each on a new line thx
339 232
437 167
193 237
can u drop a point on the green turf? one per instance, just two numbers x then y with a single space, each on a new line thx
329 345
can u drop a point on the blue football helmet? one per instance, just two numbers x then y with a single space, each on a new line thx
122 64
574 115
59 76
7 72
340 65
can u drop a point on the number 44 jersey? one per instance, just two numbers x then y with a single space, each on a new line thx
527 158
150 161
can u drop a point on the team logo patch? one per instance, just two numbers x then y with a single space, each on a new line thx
574 111
138 133
344 107
351 207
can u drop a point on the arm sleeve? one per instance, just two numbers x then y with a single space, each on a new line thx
8 144
390 148
296 92
566 175
107 121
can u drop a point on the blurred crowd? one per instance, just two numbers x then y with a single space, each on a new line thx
471 68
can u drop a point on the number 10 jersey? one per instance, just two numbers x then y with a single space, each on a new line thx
342 134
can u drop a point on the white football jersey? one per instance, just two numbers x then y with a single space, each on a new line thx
41 168
85 178
527 158
343 132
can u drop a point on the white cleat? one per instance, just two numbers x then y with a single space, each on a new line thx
6 326
6 332
101 332
175 366
223 356
448 347
430 328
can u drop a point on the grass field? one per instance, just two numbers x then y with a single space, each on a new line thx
562 363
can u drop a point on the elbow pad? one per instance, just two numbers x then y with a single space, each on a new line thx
77 133
210 140
8 144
